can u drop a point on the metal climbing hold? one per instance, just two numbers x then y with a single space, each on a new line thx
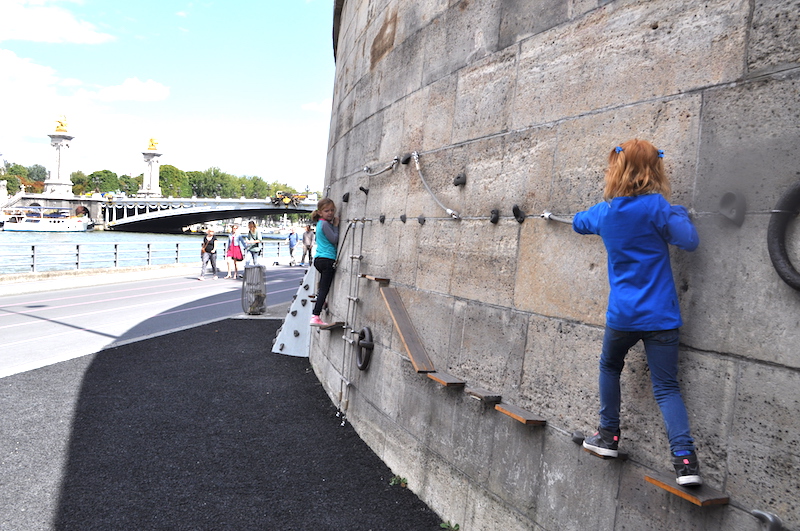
406 158
303 302
296 333
460 179
403 218
495 216
305 287
382 218
365 190
421 219
346 197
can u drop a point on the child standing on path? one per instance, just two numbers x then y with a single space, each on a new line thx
208 253
637 225
327 240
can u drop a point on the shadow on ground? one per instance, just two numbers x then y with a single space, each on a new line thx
202 429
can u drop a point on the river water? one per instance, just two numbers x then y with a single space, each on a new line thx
23 252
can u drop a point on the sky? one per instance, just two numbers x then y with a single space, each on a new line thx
241 85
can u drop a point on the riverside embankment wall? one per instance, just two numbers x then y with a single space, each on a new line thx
526 99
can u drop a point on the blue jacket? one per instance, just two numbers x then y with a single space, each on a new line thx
637 232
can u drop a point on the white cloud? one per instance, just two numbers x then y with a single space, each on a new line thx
323 106
132 89
36 21
182 14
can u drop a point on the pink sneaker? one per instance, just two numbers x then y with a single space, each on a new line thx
316 321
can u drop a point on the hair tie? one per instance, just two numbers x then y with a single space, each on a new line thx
618 149
661 153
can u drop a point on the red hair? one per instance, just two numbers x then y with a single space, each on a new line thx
635 168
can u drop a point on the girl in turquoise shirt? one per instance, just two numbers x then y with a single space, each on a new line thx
327 240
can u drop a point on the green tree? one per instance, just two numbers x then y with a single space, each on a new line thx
80 183
13 183
130 185
104 181
18 170
174 182
37 172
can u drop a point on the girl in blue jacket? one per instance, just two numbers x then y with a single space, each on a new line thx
637 225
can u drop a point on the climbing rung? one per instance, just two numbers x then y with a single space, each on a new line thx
354 299
405 328
484 395
376 279
517 413
447 380
356 257
333 326
702 495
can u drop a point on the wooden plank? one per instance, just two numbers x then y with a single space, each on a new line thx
483 395
517 413
702 495
380 280
405 328
447 380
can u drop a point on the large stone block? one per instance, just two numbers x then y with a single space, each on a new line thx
750 134
559 378
485 267
737 303
584 144
490 350
668 47
515 467
773 41
763 455
518 20
485 93
438 121
432 316
561 273
569 473
467 31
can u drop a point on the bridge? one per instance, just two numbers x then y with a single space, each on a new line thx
171 215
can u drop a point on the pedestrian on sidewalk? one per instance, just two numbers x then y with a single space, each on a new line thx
235 253
208 253
308 243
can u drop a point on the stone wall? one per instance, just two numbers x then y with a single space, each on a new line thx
526 99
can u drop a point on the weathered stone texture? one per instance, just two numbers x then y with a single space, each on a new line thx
628 52
527 102
773 35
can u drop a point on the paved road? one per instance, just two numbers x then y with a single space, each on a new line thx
47 322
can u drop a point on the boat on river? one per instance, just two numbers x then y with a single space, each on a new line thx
44 219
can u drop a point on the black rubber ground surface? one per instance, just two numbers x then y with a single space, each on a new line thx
199 429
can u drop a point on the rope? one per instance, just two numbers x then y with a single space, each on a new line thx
388 167
452 213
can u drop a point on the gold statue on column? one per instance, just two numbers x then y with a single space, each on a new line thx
153 144
62 124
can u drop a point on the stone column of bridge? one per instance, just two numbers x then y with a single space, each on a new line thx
150 182
58 182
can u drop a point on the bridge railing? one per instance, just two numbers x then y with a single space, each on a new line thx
25 258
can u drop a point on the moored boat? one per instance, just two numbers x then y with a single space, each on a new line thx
44 219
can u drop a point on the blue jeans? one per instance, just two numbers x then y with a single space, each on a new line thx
661 348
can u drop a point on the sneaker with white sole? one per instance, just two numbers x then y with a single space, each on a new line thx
687 469
316 321
604 443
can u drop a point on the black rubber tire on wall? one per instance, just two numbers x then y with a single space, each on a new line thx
785 211
364 347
